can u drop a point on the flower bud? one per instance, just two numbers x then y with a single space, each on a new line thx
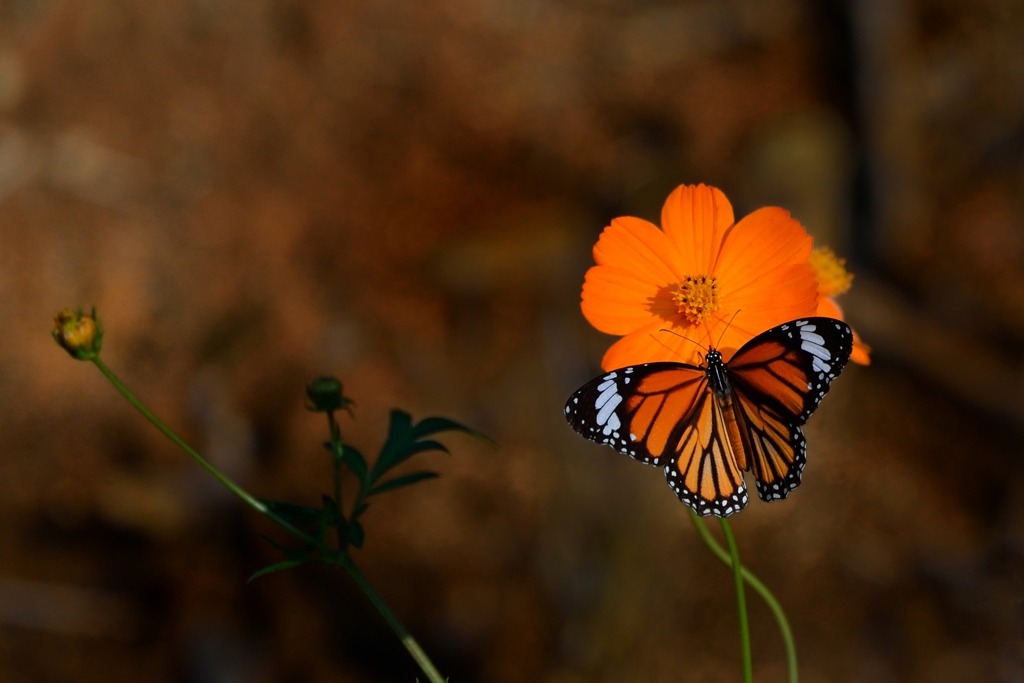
79 334
325 395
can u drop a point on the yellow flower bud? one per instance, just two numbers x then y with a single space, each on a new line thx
79 334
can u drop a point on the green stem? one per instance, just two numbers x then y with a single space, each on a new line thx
330 555
741 601
336 452
345 560
757 585
242 494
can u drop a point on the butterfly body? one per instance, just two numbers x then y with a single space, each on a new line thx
705 425
718 374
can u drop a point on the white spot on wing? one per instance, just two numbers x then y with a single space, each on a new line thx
607 410
613 424
815 350
605 396
811 337
821 366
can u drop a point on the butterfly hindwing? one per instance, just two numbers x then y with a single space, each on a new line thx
704 472
774 447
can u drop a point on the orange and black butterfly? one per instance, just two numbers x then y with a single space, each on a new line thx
707 424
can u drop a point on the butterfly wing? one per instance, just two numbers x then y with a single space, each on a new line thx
778 379
775 448
704 472
638 410
664 414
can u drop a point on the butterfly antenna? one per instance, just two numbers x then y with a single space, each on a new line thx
719 344
667 347
683 336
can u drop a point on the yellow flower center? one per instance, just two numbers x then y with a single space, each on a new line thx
696 297
830 271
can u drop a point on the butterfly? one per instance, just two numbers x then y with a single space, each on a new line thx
707 424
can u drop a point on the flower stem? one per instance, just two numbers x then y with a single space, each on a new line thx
330 555
242 494
741 601
345 560
757 585
336 453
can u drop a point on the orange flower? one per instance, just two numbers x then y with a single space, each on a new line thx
692 277
833 280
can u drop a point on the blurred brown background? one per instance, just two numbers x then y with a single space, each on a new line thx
405 194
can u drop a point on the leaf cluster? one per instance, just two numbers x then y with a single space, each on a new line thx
405 439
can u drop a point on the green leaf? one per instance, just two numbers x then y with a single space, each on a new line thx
290 552
290 512
360 510
428 445
330 510
328 518
406 480
433 425
399 455
355 461
405 439
401 421
270 569
355 534
400 436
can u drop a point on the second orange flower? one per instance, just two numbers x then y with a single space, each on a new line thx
673 290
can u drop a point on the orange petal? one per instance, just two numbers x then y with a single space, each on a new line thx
638 247
778 296
696 218
763 241
729 340
828 308
861 353
617 302
652 343
792 288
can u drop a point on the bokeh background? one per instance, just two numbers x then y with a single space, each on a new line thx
404 194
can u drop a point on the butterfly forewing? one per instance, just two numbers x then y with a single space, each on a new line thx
790 367
638 410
